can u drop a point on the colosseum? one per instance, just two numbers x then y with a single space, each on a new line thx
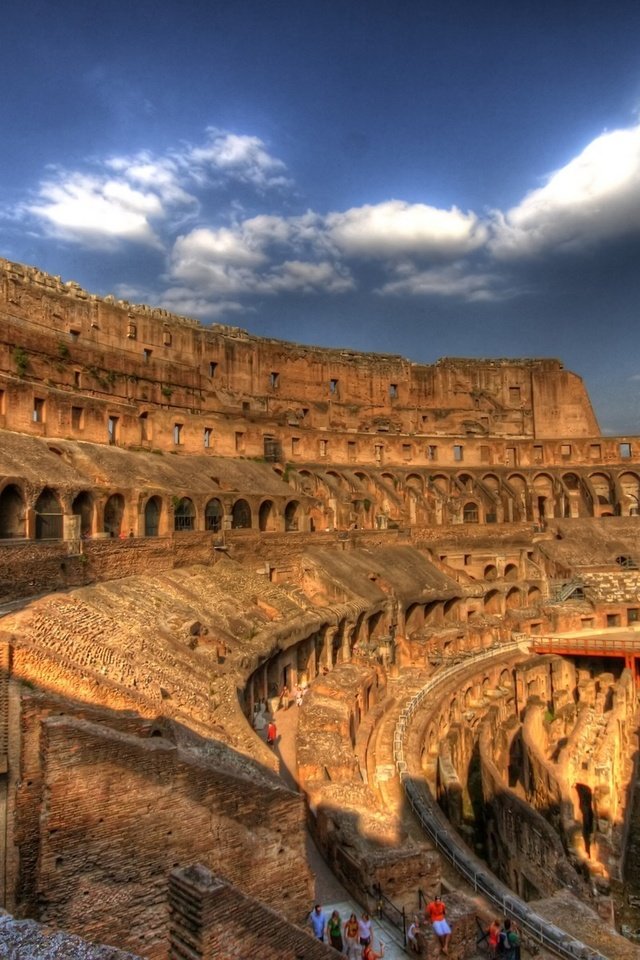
428 574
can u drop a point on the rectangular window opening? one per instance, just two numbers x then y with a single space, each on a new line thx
274 379
625 451
333 386
458 450
38 409
177 433
77 418
393 391
112 429
207 435
213 366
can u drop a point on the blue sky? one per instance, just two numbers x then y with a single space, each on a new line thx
429 179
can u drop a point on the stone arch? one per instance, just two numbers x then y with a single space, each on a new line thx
184 516
241 515
12 512
544 494
414 618
292 516
451 609
493 602
83 507
49 518
466 481
113 515
213 514
267 517
433 612
511 572
152 515
517 502
601 485
505 678
629 498
490 572
415 482
389 478
513 598
470 512
534 595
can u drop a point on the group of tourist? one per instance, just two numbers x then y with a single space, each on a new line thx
354 937
504 939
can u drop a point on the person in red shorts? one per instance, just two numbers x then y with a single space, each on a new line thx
436 911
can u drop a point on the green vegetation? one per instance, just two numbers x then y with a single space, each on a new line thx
21 360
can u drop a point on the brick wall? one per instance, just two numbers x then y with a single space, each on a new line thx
102 817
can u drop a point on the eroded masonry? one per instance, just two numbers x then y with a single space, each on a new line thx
444 557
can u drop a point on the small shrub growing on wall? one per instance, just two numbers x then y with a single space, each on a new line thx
21 360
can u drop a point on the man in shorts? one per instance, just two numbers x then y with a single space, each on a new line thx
436 911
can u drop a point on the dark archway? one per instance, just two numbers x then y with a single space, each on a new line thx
266 516
241 516
82 507
213 514
113 514
292 516
152 512
184 516
49 521
12 512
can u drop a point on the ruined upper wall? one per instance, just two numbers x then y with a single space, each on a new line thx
137 359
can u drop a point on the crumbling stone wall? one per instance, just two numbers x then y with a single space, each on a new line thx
115 813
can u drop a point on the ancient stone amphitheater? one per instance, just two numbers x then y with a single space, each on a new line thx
444 558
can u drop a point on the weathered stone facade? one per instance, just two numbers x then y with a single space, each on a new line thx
211 517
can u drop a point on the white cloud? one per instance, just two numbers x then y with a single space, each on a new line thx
595 197
237 157
96 210
182 301
247 259
305 277
455 280
399 229
143 197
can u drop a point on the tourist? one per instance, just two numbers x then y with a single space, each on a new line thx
369 953
318 921
512 941
284 698
271 733
412 936
365 930
436 913
493 936
334 926
297 695
353 950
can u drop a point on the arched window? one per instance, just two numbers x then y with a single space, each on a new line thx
470 513
292 516
11 513
49 523
266 517
213 514
152 512
184 516
241 516
113 513
82 507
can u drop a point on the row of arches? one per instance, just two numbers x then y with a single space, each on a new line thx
114 515
368 499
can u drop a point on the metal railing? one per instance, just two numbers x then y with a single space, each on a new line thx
446 840
387 909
